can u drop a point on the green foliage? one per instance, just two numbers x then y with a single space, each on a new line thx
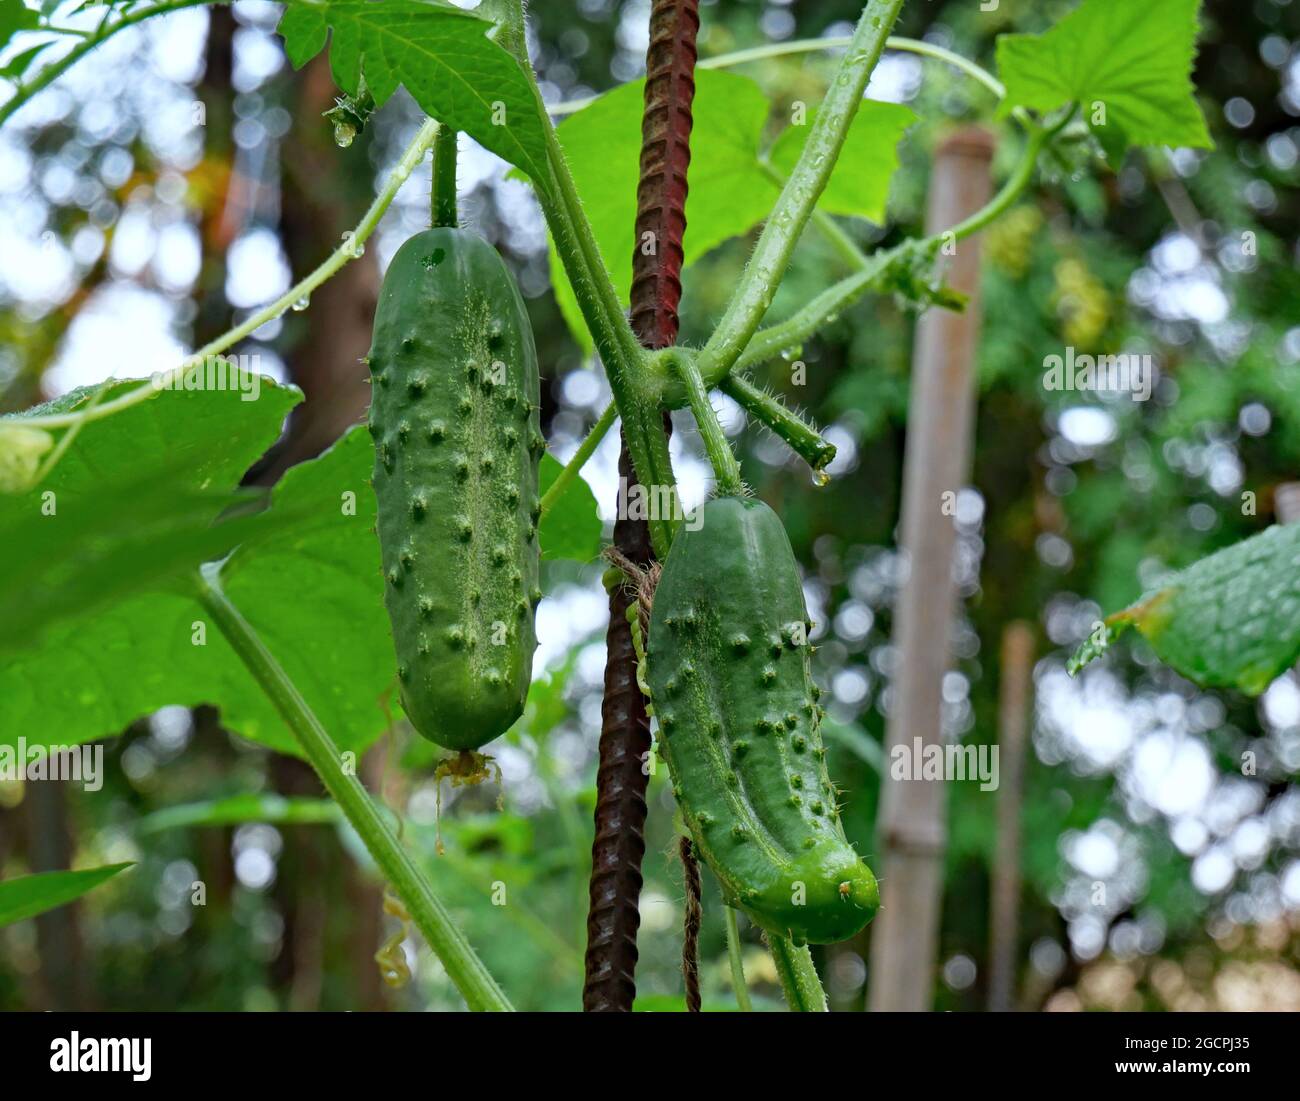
444 58
237 809
571 528
1135 59
1231 620
30 895
732 189
96 673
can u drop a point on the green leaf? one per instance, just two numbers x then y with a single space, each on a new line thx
731 191
1132 60
18 65
572 527
312 590
1231 620
441 54
237 809
131 504
30 895
15 16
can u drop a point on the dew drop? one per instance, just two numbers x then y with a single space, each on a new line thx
344 132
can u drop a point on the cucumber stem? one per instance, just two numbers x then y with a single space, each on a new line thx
442 193
799 982
738 980
464 968
769 410
725 468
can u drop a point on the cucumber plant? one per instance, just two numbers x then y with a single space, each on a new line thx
457 440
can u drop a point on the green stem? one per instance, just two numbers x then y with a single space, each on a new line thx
738 982
464 968
725 468
826 225
348 250
767 409
815 45
1039 136
809 319
814 314
799 982
50 73
442 192
626 362
580 457
784 225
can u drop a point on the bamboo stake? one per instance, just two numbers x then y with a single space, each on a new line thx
912 827
1015 690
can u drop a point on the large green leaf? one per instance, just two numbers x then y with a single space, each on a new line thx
571 527
29 895
1134 57
312 590
15 16
132 502
730 189
441 54
1231 620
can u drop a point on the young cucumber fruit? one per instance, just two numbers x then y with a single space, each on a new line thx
728 667
454 416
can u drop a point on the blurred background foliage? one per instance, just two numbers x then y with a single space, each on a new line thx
171 184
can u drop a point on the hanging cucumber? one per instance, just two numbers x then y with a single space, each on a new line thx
454 416
728 669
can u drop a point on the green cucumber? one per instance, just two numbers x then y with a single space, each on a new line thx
454 416
739 726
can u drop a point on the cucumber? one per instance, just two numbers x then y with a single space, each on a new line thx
454 416
727 663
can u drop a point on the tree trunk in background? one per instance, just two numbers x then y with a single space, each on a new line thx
61 982
1286 503
912 827
315 211
1015 691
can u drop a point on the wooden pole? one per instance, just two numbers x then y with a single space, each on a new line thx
1015 691
912 827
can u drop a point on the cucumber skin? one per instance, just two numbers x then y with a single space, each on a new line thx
456 458
739 726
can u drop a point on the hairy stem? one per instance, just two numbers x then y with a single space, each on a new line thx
803 438
624 359
813 315
442 193
464 968
348 250
776 243
797 974
738 982
585 450
723 460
